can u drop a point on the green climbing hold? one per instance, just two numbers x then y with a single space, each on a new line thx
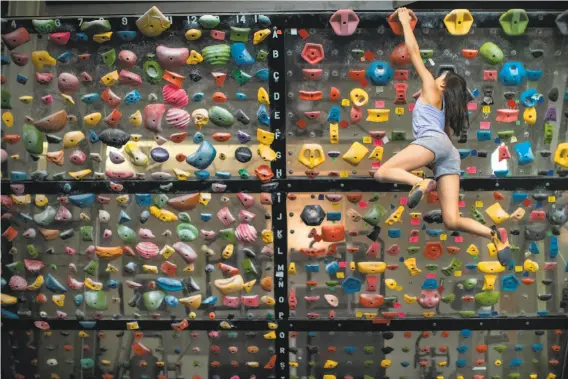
86 232
500 348
161 200
449 298
397 135
487 298
413 249
249 269
87 363
357 53
92 268
514 375
368 349
453 266
261 55
506 134
240 76
220 116
96 300
514 22
228 235
153 71
369 363
491 53
374 214
548 132
216 54
431 266
477 215
239 34
470 283
109 57
426 53
33 139
126 234
96 26
390 300
184 216
467 314
232 334
187 232
44 26
153 299
5 100
405 349
243 173
208 21
32 251
16 267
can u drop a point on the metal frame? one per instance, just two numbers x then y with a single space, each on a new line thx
277 87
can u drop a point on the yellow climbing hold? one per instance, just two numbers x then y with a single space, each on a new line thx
497 213
377 153
396 216
472 250
150 268
26 99
204 198
334 133
355 154
135 118
228 251
409 299
263 136
67 99
530 266
378 115
92 119
58 300
311 155
267 236
490 267
163 214
270 335
181 174
133 325
262 96
193 302
266 153
492 249
458 22
248 285
371 267
40 200
518 214
194 58
330 364
102 37
80 174
72 139
110 79
193 34
292 268
359 97
489 282
410 264
42 58
260 36
529 115
7 299
8 119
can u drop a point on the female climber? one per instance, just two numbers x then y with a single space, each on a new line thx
440 108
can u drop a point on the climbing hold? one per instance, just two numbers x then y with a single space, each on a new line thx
458 22
491 53
379 73
41 59
395 24
16 38
313 53
344 22
153 22
514 22
512 73
217 54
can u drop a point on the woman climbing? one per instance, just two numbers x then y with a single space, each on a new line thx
440 109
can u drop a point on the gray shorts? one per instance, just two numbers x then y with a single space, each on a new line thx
446 156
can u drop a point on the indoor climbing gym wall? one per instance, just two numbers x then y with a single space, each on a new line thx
192 196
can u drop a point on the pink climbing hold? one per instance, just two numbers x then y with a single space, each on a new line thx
175 96
344 22
153 114
60 38
178 118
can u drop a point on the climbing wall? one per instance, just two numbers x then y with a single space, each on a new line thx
192 196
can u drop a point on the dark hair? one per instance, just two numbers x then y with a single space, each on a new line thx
456 97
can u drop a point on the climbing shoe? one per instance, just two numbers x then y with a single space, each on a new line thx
499 238
419 190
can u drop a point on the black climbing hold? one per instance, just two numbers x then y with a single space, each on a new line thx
535 232
312 215
433 216
243 154
553 94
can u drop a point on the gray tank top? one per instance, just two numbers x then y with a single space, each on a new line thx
427 118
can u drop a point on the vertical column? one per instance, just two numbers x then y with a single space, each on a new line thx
277 88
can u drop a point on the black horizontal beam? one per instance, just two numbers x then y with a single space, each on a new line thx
120 324
351 325
529 183
138 186
293 184
434 323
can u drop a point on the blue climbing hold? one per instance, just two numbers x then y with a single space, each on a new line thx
172 301
404 364
332 268
127 35
512 74
524 153
464 153
7 314
90 98
80 37
88 324
143 199
112 283
85 200
462 348
536 347
18 176
262 74
553 248
531 97
197 97
393 233
429 284
516 362
202 174
533 248
123 217
223 175
379 73
471 266
334 216
203 156
519 196
211 300
434 232
5 60
241 96
78 299
466 333
53 285
205 217
262 115
198 137
460 363
64 57
93 136
349 349
312 267
240 54
169 284
351 285
334 114
484 135
534 75
509 283
22 79
132 97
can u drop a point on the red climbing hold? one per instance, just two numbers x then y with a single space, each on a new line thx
313 53
395 24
